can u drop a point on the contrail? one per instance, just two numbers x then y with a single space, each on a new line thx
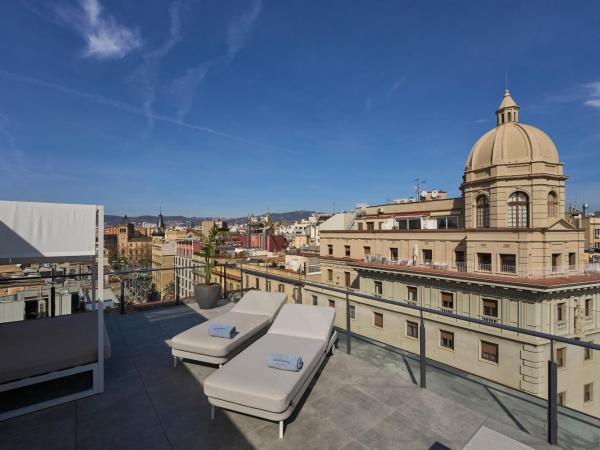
126 107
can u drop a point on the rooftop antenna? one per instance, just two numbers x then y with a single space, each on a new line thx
506 81
419 187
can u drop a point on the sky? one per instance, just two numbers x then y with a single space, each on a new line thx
213 108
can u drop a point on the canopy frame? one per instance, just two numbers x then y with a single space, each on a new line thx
97 367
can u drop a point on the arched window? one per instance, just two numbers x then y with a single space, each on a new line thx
518 209
483 212
509 116
552 204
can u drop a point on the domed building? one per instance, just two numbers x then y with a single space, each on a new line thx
513 176
514 190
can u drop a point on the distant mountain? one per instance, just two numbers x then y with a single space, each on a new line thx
284 217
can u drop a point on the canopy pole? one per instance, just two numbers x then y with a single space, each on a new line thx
100 261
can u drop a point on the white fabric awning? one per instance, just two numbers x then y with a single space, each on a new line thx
38 231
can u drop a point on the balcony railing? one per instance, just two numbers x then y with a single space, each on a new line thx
484 267
490 319
506 270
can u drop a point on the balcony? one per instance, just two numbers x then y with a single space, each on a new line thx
490 319
489 269
367 400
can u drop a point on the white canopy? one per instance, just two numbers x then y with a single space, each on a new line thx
38 231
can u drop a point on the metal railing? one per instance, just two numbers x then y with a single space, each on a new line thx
346 293
133 286
487 321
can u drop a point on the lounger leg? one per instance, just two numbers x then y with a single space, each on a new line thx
212 412
281 429
174 361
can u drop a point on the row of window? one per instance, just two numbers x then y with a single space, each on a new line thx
588 394
489 306
417 223
508 262
561 309
561 356
489 350
518 209
268 284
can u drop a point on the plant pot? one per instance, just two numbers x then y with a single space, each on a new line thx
207 297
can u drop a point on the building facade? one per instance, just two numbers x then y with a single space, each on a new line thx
163 264
133 246
591 225
184 254
503 252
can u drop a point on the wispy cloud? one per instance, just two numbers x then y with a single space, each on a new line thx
482 120
396 85
240 28
183 88
105 37
135 110
146 76
593 94
587 94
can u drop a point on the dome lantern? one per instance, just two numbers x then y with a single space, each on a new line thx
508 111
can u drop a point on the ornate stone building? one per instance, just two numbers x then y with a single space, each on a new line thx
132 245
502 252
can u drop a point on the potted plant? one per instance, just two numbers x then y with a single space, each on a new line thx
207 294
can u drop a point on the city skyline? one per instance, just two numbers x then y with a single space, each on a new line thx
218 110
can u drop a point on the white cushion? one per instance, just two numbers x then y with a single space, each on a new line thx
306 321
247 380
259 302
197 340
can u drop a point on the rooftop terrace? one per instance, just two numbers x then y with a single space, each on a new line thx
367 400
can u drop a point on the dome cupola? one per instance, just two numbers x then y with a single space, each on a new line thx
508 111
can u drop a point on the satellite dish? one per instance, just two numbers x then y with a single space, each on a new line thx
423 194
435 193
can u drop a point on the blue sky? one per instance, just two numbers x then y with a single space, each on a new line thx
224 108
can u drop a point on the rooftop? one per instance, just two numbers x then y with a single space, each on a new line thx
367 400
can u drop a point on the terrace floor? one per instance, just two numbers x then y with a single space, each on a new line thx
364 401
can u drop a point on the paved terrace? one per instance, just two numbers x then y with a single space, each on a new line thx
366 401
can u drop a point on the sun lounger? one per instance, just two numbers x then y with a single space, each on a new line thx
248 385
251 317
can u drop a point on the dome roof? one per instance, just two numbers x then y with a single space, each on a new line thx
511 142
